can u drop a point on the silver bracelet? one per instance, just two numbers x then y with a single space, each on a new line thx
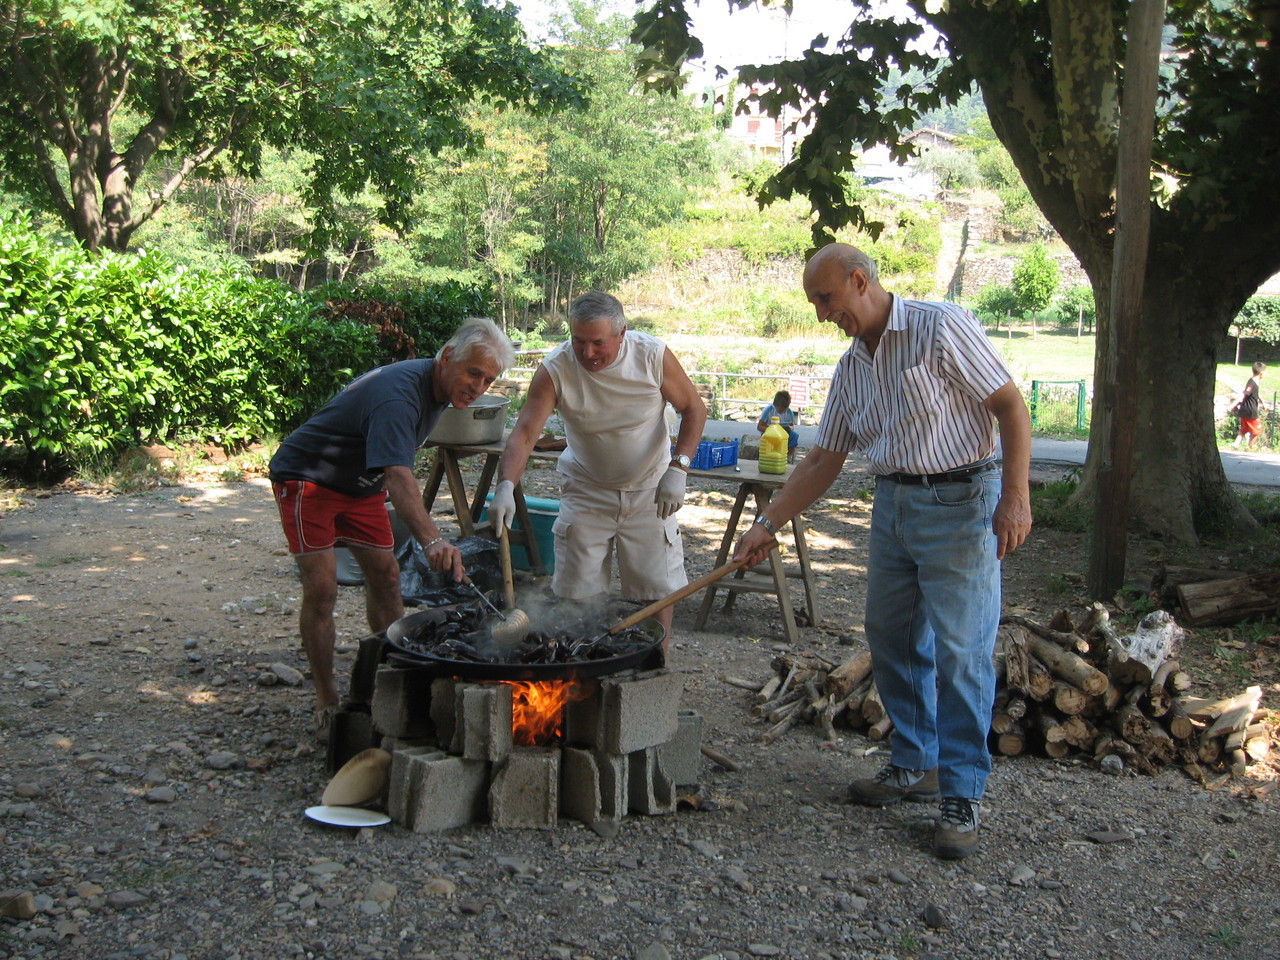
767 524
428 546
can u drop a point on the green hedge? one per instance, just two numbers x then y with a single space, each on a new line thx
101 353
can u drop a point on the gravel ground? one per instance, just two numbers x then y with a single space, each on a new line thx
155 769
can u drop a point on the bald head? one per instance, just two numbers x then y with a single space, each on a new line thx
846 257
840 281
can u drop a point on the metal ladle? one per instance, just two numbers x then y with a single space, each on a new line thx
515 624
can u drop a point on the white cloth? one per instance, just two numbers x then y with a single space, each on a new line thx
917 405
613 418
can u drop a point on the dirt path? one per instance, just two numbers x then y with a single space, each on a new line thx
154 772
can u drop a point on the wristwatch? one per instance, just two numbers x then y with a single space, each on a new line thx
767 524
683 460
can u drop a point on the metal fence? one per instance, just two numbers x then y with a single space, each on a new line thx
1053 402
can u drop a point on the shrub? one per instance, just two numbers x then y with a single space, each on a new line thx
1072 301
1035 279
100 353
994 302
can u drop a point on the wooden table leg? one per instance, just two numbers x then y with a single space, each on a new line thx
482 485
806 572
726 544
432 487
779 572
458 489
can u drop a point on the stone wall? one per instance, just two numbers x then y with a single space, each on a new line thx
978 272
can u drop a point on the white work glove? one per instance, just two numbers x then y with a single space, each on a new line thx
670 494
502 508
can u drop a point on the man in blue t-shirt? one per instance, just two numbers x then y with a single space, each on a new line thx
333 475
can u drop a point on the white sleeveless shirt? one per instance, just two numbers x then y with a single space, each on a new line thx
613 418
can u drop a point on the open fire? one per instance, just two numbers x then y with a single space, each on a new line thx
537 710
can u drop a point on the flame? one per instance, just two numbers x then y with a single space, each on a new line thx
537 710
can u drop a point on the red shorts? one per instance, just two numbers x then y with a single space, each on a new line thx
1252 427
316 518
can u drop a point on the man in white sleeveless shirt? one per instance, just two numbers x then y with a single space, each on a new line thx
621 484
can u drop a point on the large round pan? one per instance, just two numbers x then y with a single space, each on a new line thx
647 657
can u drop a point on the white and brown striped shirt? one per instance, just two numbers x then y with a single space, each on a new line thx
916 407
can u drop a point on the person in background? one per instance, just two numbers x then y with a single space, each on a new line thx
920 391
1249 408
787 419
333 475
621 482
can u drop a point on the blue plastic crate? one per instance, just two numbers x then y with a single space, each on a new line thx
715 453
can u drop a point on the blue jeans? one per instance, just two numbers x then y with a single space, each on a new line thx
933 608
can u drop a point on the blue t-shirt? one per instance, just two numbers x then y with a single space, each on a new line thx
787 417
379 420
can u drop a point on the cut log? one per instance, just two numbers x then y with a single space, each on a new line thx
1236 739
1011 742
1167 580
1205 709
1136 658
1049 727
1106 743
1003 723
872 707
784 723
1098 624
1069 700
849 674
1039 680
1061 621
1067 641
881 729
769 689
1149 739
1080 733
1177 722
743 684
715 756
1057 750
1067 665
1012 644
1218 603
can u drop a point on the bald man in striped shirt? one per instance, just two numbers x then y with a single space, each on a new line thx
920 392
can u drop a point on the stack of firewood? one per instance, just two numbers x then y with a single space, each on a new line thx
1062 689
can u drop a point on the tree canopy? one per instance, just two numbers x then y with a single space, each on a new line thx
93 93
1050 74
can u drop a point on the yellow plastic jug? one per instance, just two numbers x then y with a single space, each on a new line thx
773 447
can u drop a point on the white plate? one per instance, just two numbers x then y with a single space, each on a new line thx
348 816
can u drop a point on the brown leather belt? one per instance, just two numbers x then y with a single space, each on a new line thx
929 479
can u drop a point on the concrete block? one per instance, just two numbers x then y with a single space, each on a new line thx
351 732
444 693
640 710
401 785
650 789
448 792
525 791
457 743
400 702
584 717
613 770
369 656
486 720
682 755
579 785
593 785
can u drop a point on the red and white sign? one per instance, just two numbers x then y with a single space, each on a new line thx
799 390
